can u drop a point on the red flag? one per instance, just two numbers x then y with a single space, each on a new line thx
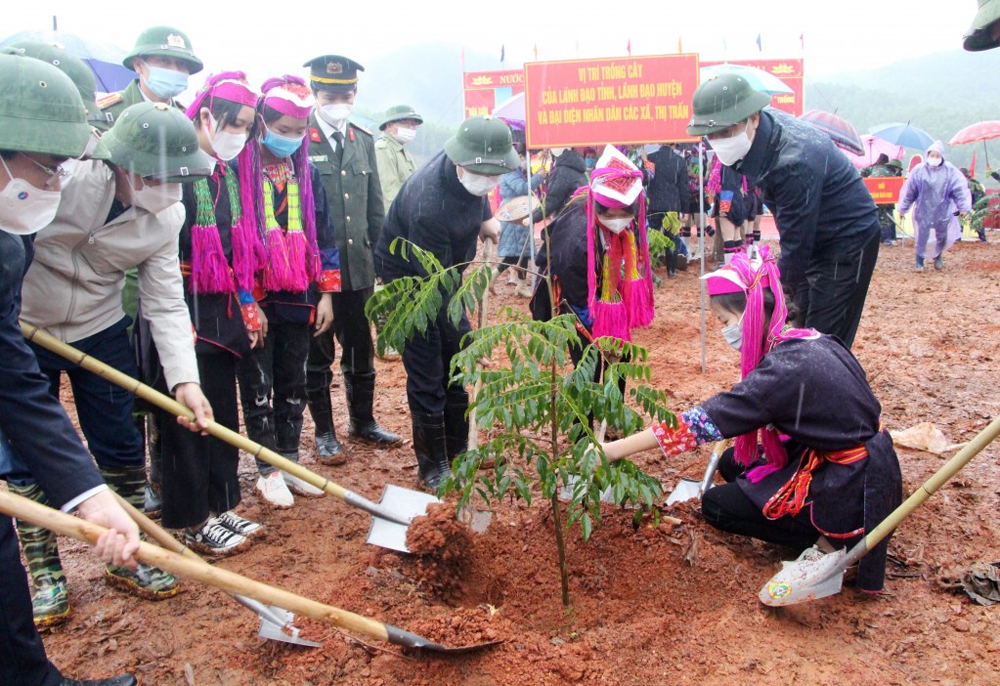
972 166
629 47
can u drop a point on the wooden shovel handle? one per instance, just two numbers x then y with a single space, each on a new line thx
168 404
193 567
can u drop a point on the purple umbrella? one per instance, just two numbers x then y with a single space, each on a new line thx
874 147
104 59
841 132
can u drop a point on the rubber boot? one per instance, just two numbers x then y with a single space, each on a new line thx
145 581
49 598
329 450
430 443
360 390
456 428
524 287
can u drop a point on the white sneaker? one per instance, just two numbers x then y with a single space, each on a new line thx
273 489
301 487
236 524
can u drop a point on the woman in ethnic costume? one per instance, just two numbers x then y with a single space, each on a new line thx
811 463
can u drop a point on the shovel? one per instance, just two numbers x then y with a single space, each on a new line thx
275 623
392 515
689 489
67 525
815 575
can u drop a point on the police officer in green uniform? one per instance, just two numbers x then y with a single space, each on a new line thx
42 124
163 59
344 154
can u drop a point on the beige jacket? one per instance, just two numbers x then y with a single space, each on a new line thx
74 286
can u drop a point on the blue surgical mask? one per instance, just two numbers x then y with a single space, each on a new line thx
281 146
590 162
166 83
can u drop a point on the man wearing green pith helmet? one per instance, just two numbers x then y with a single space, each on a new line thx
112 217
43 123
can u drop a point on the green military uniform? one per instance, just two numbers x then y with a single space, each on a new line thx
163 41
351 182
395 164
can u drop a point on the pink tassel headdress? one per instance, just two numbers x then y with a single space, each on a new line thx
210 271
623 303
294 255
752 278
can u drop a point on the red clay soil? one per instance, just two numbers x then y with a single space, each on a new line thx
667 605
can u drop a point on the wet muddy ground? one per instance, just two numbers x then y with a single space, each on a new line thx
667 605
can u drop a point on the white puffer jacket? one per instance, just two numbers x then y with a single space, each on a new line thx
74 286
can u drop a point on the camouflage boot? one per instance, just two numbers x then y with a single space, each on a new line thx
49 600
145 581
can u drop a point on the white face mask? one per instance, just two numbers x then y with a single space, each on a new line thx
617 225
733 149
404 135
934 161
225 144
335 115
24 209
733 335
155 199
478 184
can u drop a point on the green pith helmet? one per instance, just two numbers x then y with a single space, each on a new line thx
75 68
41 111
399 113
979 36
483 145
722 101
165 41
155 140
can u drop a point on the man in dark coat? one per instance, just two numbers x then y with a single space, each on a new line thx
344 153
826 219
443 209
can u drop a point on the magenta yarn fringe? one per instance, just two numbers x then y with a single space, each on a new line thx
277 275
209 268
298 269
611 319
640 303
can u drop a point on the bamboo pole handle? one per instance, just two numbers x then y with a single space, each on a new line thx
168 404
195 568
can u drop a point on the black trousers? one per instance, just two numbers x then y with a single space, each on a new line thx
354 333
727 507
22 654
273 388
427 360
199 472
838 286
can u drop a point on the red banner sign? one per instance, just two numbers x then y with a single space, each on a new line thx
884 189
484 90
791 72
617 100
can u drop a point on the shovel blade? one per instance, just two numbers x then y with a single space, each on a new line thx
286 632
405 503
811 577
687 489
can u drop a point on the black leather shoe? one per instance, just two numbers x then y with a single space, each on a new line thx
120 680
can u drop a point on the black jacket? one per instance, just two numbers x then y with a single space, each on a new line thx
819 201
568 173
668 189
435 212
565 258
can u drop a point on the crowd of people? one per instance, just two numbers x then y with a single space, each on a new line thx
219 252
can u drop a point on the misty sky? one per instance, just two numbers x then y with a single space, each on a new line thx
269 38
